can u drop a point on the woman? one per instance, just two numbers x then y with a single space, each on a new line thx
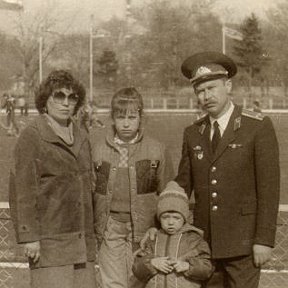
51 189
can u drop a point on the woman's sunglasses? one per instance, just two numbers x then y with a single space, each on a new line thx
59 98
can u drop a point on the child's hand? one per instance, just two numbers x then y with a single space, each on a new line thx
181 266
162 264
32 250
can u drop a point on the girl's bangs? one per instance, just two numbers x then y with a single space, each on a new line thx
122 106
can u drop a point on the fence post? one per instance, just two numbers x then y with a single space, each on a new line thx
164 103
270 104
191 103
244 103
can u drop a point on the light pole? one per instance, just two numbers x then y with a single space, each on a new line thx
40 58
91 58
92 36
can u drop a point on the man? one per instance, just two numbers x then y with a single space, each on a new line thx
230 160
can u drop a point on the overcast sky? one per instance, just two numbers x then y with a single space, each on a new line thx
77 12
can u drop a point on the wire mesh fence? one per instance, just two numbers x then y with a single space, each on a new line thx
14 272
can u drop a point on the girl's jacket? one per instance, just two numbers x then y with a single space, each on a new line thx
149 169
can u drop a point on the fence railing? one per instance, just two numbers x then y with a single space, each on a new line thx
14 272
191 103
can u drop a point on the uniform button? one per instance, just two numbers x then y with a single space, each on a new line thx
214 208
213 169
214 182
214 194
114 169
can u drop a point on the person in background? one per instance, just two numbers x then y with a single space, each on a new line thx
21 104
131 170
51 189
10 105
256 106
179 256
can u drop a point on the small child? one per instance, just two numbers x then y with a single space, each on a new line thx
131 170
179 256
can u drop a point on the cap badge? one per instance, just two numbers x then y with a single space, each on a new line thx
202 71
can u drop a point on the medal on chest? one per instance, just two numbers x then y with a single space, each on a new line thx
198 152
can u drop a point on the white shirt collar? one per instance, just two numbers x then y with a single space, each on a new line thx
223 120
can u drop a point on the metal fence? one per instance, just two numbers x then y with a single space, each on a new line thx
14 272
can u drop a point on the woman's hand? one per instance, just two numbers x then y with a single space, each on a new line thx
32 250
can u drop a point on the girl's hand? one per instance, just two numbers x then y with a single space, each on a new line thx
150 234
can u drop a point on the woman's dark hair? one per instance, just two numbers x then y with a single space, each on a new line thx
58 79
126 99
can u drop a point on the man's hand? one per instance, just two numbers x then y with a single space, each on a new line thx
150 234
162 264
32 250
262 254
181 266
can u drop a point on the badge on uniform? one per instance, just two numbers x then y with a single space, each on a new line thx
235 145
198 152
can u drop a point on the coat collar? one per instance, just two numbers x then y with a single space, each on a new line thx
228 136
48 135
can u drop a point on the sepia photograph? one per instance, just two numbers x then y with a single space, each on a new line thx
142 143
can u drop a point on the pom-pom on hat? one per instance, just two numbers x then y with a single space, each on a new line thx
173 199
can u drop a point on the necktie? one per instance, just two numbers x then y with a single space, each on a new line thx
216 136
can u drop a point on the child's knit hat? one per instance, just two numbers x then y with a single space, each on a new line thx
173 198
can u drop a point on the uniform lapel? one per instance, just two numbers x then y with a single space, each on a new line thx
204 130
229 134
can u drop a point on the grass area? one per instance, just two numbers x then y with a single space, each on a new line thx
167 127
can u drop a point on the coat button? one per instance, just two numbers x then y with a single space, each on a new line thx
214 194
214 208
214 182
213 169
114 169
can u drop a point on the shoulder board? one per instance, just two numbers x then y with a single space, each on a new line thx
200 119
252 114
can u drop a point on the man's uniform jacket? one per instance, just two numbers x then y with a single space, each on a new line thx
237 188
